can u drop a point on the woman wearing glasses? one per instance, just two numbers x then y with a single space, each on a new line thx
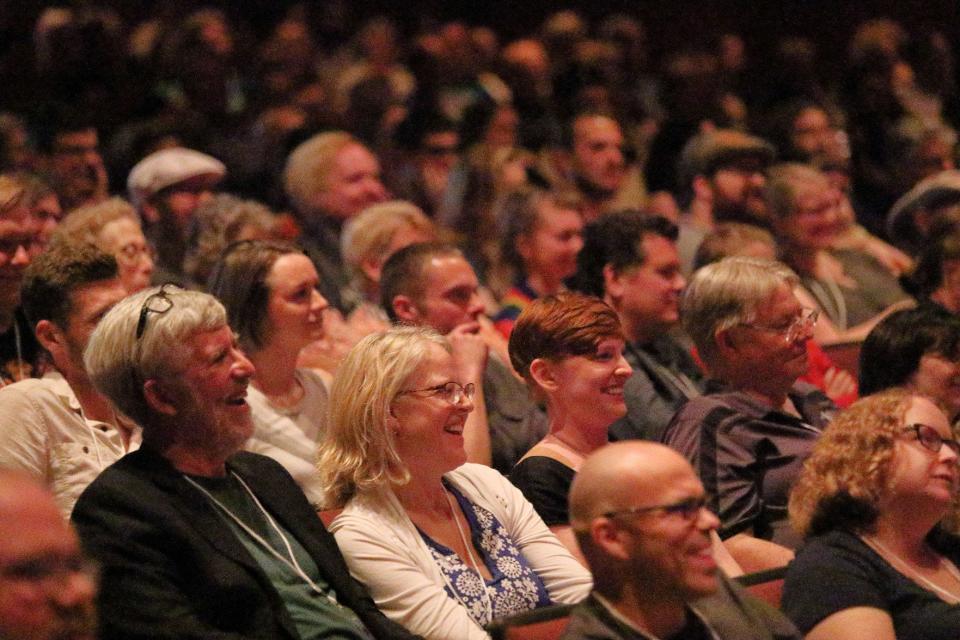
113 227
444 547
852 288
569 349
874 501
270 292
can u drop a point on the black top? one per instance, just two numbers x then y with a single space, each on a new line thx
545 483
838 571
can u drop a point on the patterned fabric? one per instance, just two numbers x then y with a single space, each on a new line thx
513 302
515 587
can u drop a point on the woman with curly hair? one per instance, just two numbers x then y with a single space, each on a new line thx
871 501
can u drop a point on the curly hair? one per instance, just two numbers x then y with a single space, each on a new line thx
843 480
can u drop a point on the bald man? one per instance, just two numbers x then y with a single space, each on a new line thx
638 510
46 586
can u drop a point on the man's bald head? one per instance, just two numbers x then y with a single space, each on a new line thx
45 592
637 510
622 475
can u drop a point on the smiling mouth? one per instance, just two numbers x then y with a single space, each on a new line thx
238 400
454 429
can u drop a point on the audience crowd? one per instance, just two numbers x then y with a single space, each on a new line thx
406 334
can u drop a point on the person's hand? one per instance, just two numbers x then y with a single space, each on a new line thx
469 351
838 383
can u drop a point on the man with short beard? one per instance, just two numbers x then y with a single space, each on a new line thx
722 175
198 539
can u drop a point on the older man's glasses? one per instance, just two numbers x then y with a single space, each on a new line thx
800 326
158 303
688 509
930 439
452 392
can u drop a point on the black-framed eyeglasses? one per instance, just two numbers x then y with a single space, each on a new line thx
688 509
452 392
931 440
801 325
158 303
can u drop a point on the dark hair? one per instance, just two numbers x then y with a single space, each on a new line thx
927 274
54 119
239 281
51 278
403 272
615 239
892 351
518 214
559 326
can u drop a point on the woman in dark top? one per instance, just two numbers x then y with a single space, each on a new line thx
569 348
873 502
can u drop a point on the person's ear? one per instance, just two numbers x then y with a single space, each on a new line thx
524 245
405 309
609 538
725 343
50 337
543 373
158 397
372 268
612 282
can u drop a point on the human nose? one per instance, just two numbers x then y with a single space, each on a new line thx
757 179
623 367
376 190
948 452
464 403
21 257
242 367
707 520
678 282
77 591
475 306
318 302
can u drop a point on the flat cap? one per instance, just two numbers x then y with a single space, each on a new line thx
168 167
708 151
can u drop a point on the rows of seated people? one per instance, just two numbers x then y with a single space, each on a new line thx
331 412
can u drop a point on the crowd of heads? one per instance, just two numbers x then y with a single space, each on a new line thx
433 175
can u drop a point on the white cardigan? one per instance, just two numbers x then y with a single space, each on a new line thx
385 552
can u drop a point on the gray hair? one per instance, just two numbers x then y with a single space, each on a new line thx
359 453
726 293
784 182
118 363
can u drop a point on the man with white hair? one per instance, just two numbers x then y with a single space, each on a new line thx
641 519
330 179
197 538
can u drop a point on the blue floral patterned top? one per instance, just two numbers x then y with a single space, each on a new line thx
515 587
